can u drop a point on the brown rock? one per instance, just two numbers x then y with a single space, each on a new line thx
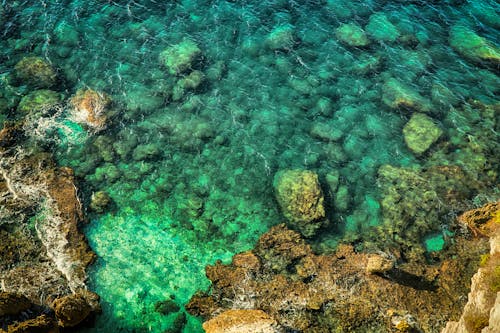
12 304
71 310
40 324
379 264
241 321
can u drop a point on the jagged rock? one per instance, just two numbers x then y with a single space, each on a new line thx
420 133
481 313
71 310
301 200
333 293
12 304
241 321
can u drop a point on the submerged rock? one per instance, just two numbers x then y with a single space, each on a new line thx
472 46
381 29
39 101
352 35
180 57
420 133
396 94
35 72
281 37
89 107
301 200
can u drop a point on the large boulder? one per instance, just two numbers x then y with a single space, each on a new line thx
420 133
301 200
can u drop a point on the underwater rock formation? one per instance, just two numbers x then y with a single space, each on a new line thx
482 311
35 72
301 200
472 46
340 292
396 94
420 133
352 35
180 57
89 107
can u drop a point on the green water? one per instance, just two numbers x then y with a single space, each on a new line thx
190 170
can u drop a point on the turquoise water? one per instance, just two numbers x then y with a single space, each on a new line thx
188 160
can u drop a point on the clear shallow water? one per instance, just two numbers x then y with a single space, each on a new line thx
190 172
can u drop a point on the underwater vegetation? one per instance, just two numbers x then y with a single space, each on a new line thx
193 127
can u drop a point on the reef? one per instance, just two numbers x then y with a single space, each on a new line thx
346 291
44 255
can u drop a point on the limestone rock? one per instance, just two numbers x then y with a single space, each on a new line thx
420 133
352 35
301 200
241 321
482 311
379 264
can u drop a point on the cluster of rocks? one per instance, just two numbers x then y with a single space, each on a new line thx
281 285
43 254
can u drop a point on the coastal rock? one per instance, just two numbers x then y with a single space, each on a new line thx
420 133
12 303
35 72
472 46
352 35
482 311
180 57
40 324
99 201
241 321
396 95
306 292
89 107
301 200
71 310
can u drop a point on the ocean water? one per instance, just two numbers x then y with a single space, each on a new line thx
190 148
